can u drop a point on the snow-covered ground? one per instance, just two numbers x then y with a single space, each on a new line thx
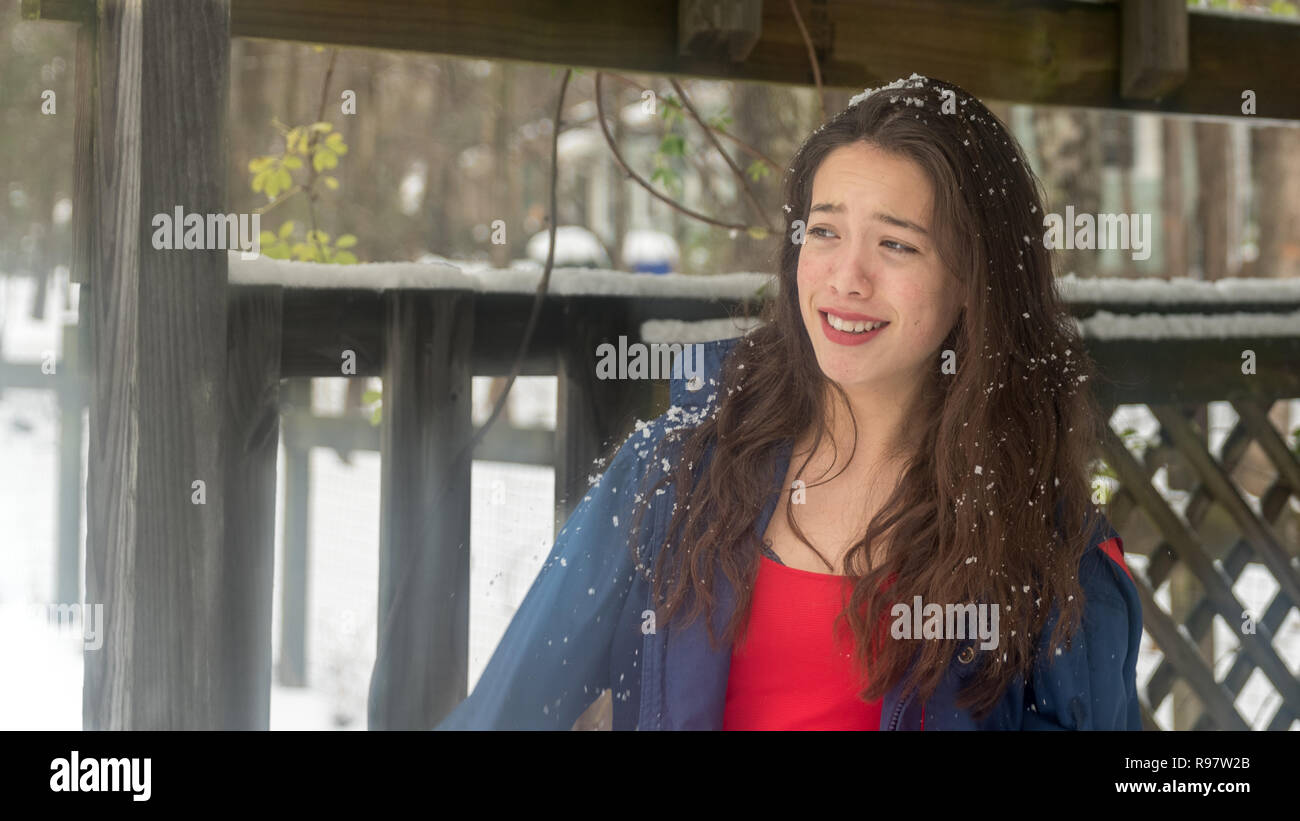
512 531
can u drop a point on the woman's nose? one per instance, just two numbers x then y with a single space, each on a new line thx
851 276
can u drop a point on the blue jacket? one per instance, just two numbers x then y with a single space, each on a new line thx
587 624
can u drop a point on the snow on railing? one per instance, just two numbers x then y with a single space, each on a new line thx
446 276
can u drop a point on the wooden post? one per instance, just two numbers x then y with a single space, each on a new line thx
292 669
591 413
248 561
72 398
154 552
422 660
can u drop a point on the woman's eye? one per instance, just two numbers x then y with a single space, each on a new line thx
898 246
819 231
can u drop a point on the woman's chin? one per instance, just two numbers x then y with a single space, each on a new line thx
845 377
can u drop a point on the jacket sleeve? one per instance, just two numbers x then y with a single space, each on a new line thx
553 660
1093 684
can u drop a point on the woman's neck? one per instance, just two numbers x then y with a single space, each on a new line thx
883 425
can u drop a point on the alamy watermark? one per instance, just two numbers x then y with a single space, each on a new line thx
657 360
77 774
1102 232
193 232
82 621
952 621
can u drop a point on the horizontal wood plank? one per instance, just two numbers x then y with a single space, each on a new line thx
1049 52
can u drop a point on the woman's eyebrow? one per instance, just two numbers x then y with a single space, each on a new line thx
900 222
881 216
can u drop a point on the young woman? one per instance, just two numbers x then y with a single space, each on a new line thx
876 513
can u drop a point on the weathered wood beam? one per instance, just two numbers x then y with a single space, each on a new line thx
1153 56
1048 52
1188 371
422 658
320 324
154 544
1055 53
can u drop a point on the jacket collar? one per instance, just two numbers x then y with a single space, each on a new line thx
700 394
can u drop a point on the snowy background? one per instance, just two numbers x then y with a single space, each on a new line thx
512 531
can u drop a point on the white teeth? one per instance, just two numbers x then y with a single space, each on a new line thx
852 327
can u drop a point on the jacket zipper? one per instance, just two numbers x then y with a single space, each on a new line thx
898 711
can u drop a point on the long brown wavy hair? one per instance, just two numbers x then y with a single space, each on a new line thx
992 507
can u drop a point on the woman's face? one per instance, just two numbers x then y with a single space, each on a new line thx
870 253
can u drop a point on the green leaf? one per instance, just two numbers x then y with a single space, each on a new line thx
292 162
672 145
324 158
286 229
334 142
345 241
376 415
330 182
345 258
370 396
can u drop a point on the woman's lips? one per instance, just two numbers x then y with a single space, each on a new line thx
845 337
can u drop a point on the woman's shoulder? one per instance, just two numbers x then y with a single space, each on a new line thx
1103 571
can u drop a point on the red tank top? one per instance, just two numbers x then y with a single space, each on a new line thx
791 670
